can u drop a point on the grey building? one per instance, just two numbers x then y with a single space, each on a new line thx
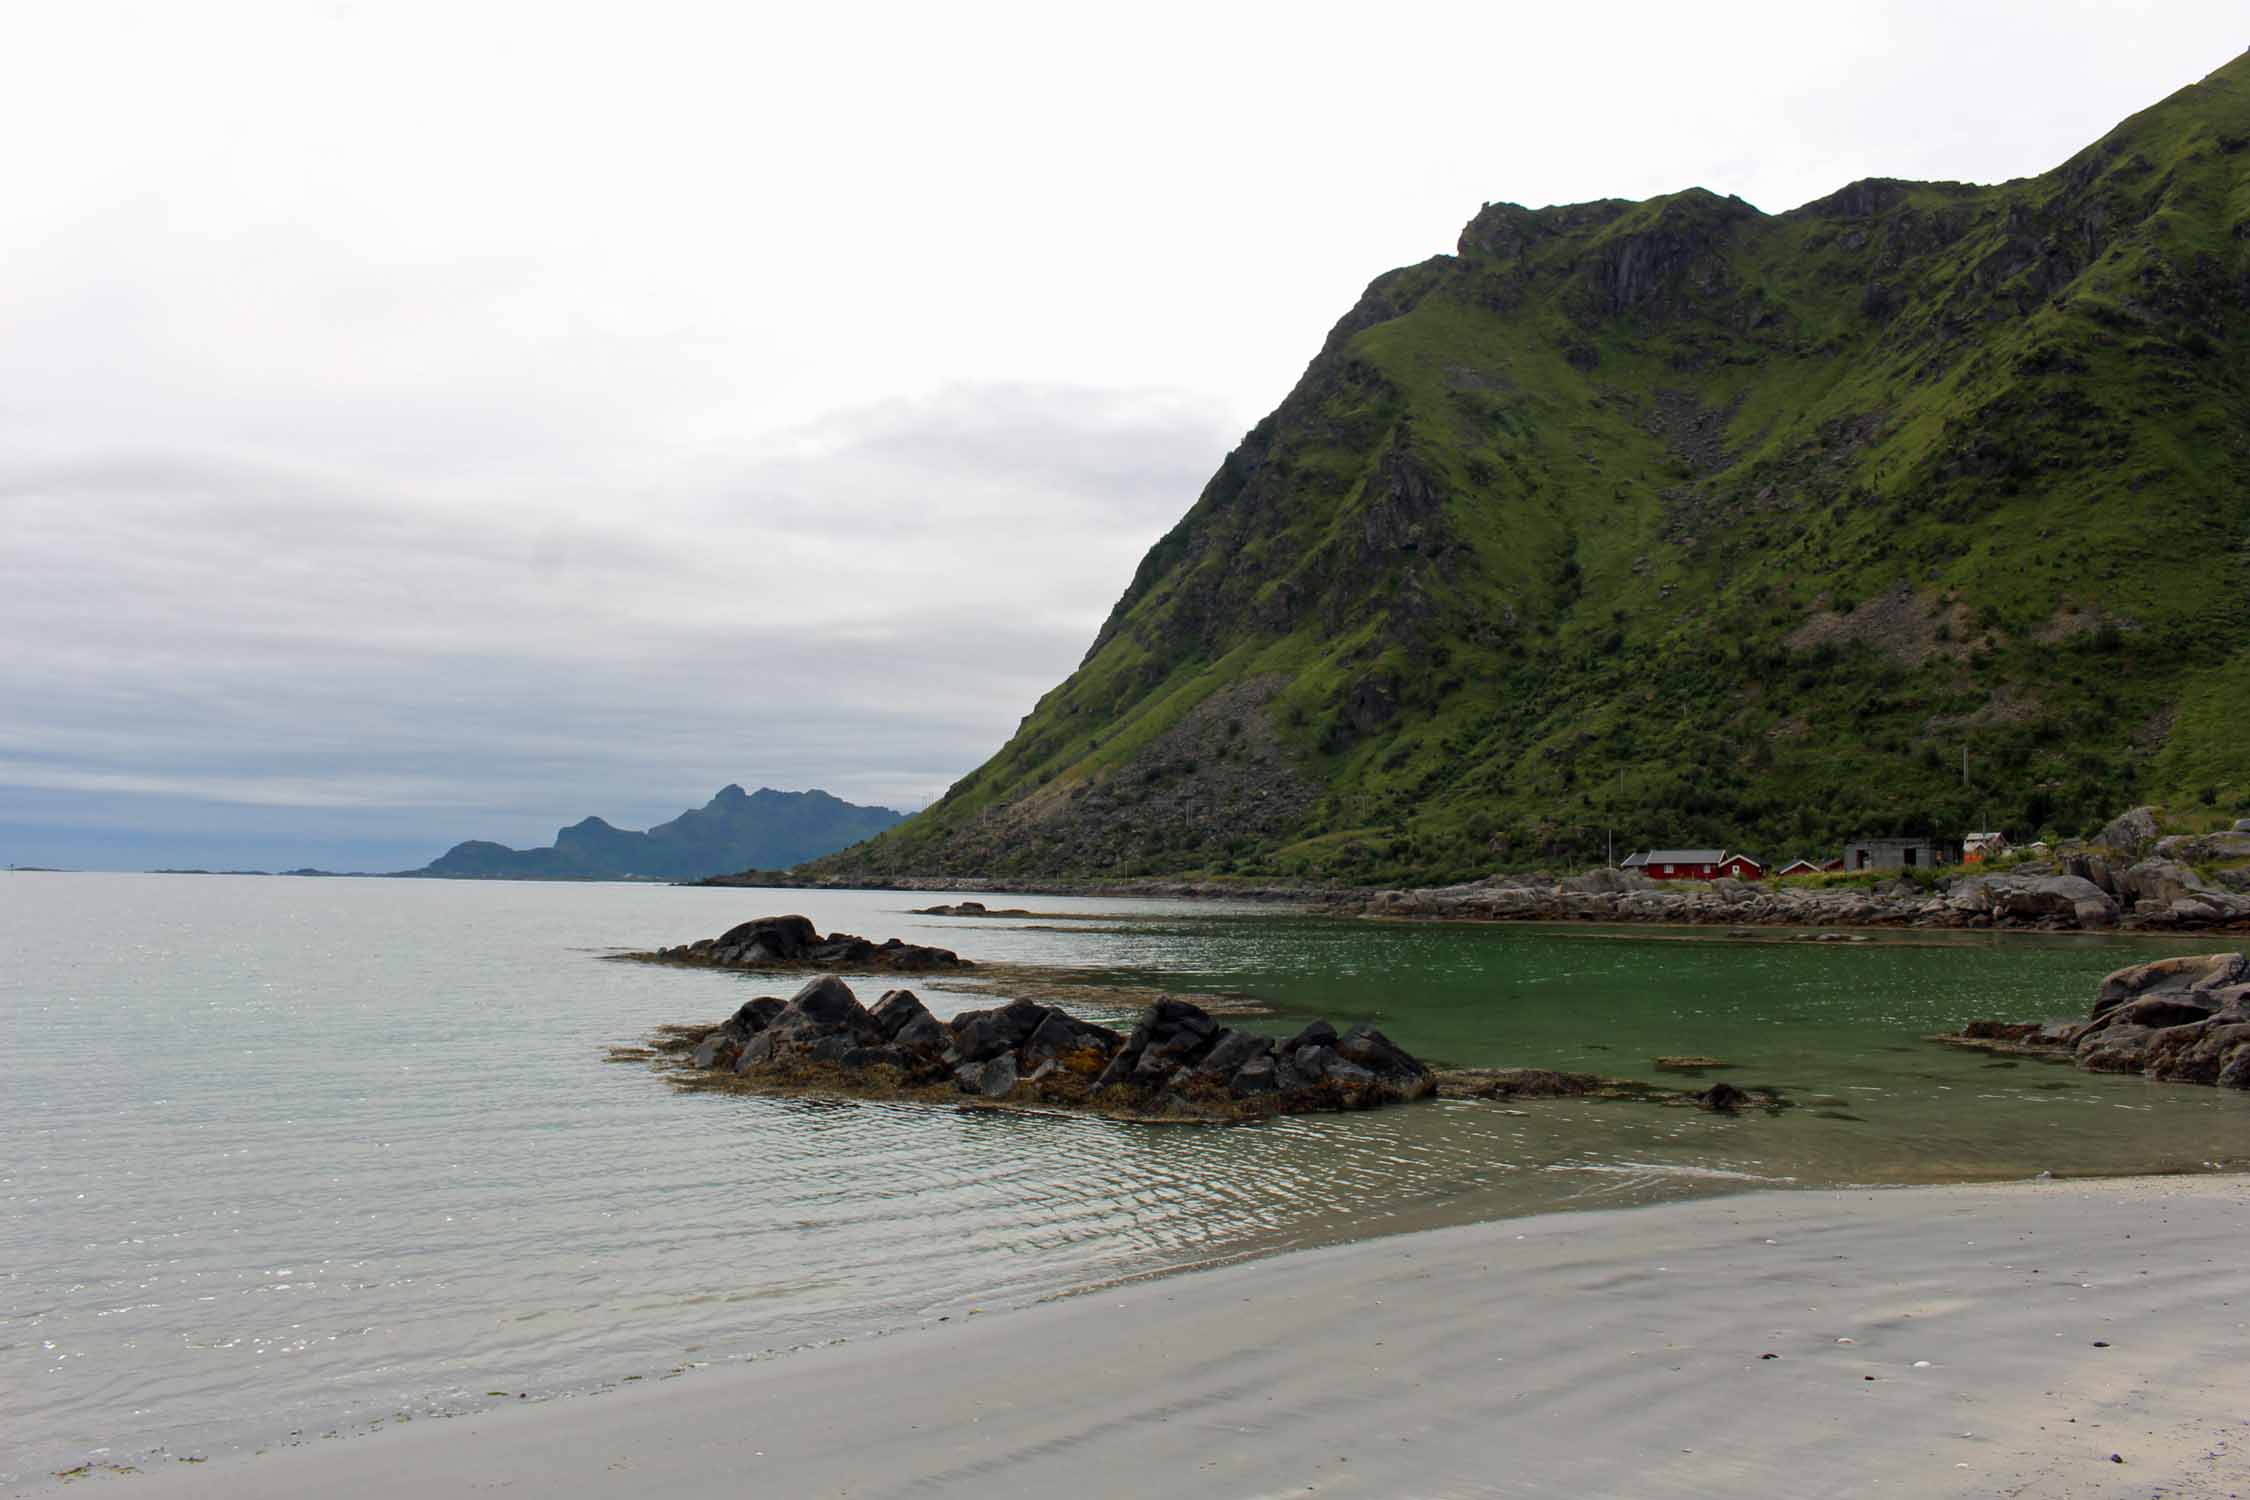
1900 854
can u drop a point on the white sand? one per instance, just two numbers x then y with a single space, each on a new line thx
1613 1353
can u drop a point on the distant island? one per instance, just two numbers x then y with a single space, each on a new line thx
734 830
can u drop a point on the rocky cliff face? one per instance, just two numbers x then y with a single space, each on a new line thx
1705 524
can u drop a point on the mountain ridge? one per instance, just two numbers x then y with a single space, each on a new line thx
1703 525
735 828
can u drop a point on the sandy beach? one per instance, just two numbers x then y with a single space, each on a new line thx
2038 1339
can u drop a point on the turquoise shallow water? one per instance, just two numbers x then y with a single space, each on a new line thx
286 1157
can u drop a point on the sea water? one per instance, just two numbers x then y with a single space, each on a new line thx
281 1158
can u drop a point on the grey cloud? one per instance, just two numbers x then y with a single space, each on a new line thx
223 643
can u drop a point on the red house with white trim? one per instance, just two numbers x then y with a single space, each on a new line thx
1676 864
1694 864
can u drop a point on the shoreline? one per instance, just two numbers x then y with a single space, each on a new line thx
1600 899
1605 1351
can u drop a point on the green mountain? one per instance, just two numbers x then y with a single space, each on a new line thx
1705 525
734 829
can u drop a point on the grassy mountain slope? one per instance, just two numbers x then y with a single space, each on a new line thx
1704 525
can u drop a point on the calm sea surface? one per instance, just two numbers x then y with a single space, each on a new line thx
281 1158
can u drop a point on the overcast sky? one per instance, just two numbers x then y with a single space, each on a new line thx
432 421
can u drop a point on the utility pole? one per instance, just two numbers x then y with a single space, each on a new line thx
1964 764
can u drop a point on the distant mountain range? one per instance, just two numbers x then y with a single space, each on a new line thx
735 830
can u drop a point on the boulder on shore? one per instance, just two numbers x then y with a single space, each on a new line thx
1177 1063
2180 1020
2130 833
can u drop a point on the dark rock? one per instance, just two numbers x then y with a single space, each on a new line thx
1171 1034
923 1034
968 909
1377 1053
1257 1076
1119 1070
895 1010
842 948
1230 1050
2161 1011
833 1047
2113 1048
2000 1031
1177 1062
721 1049
1061 1035
1349 1075
980 1034
793 941
783 937
1524 1083
994 1078
1318 1034
822 1003
1722 1098
756 1015
1307 1065
820 1021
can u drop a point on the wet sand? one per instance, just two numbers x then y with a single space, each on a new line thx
1991 1340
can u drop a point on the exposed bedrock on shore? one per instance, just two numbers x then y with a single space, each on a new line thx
2178 1020
2083 891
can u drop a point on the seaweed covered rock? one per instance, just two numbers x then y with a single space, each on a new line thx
792 942
1178 1062
1509 1084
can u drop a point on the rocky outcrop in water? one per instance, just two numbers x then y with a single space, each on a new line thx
1177 1063
2181 1020
793 942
